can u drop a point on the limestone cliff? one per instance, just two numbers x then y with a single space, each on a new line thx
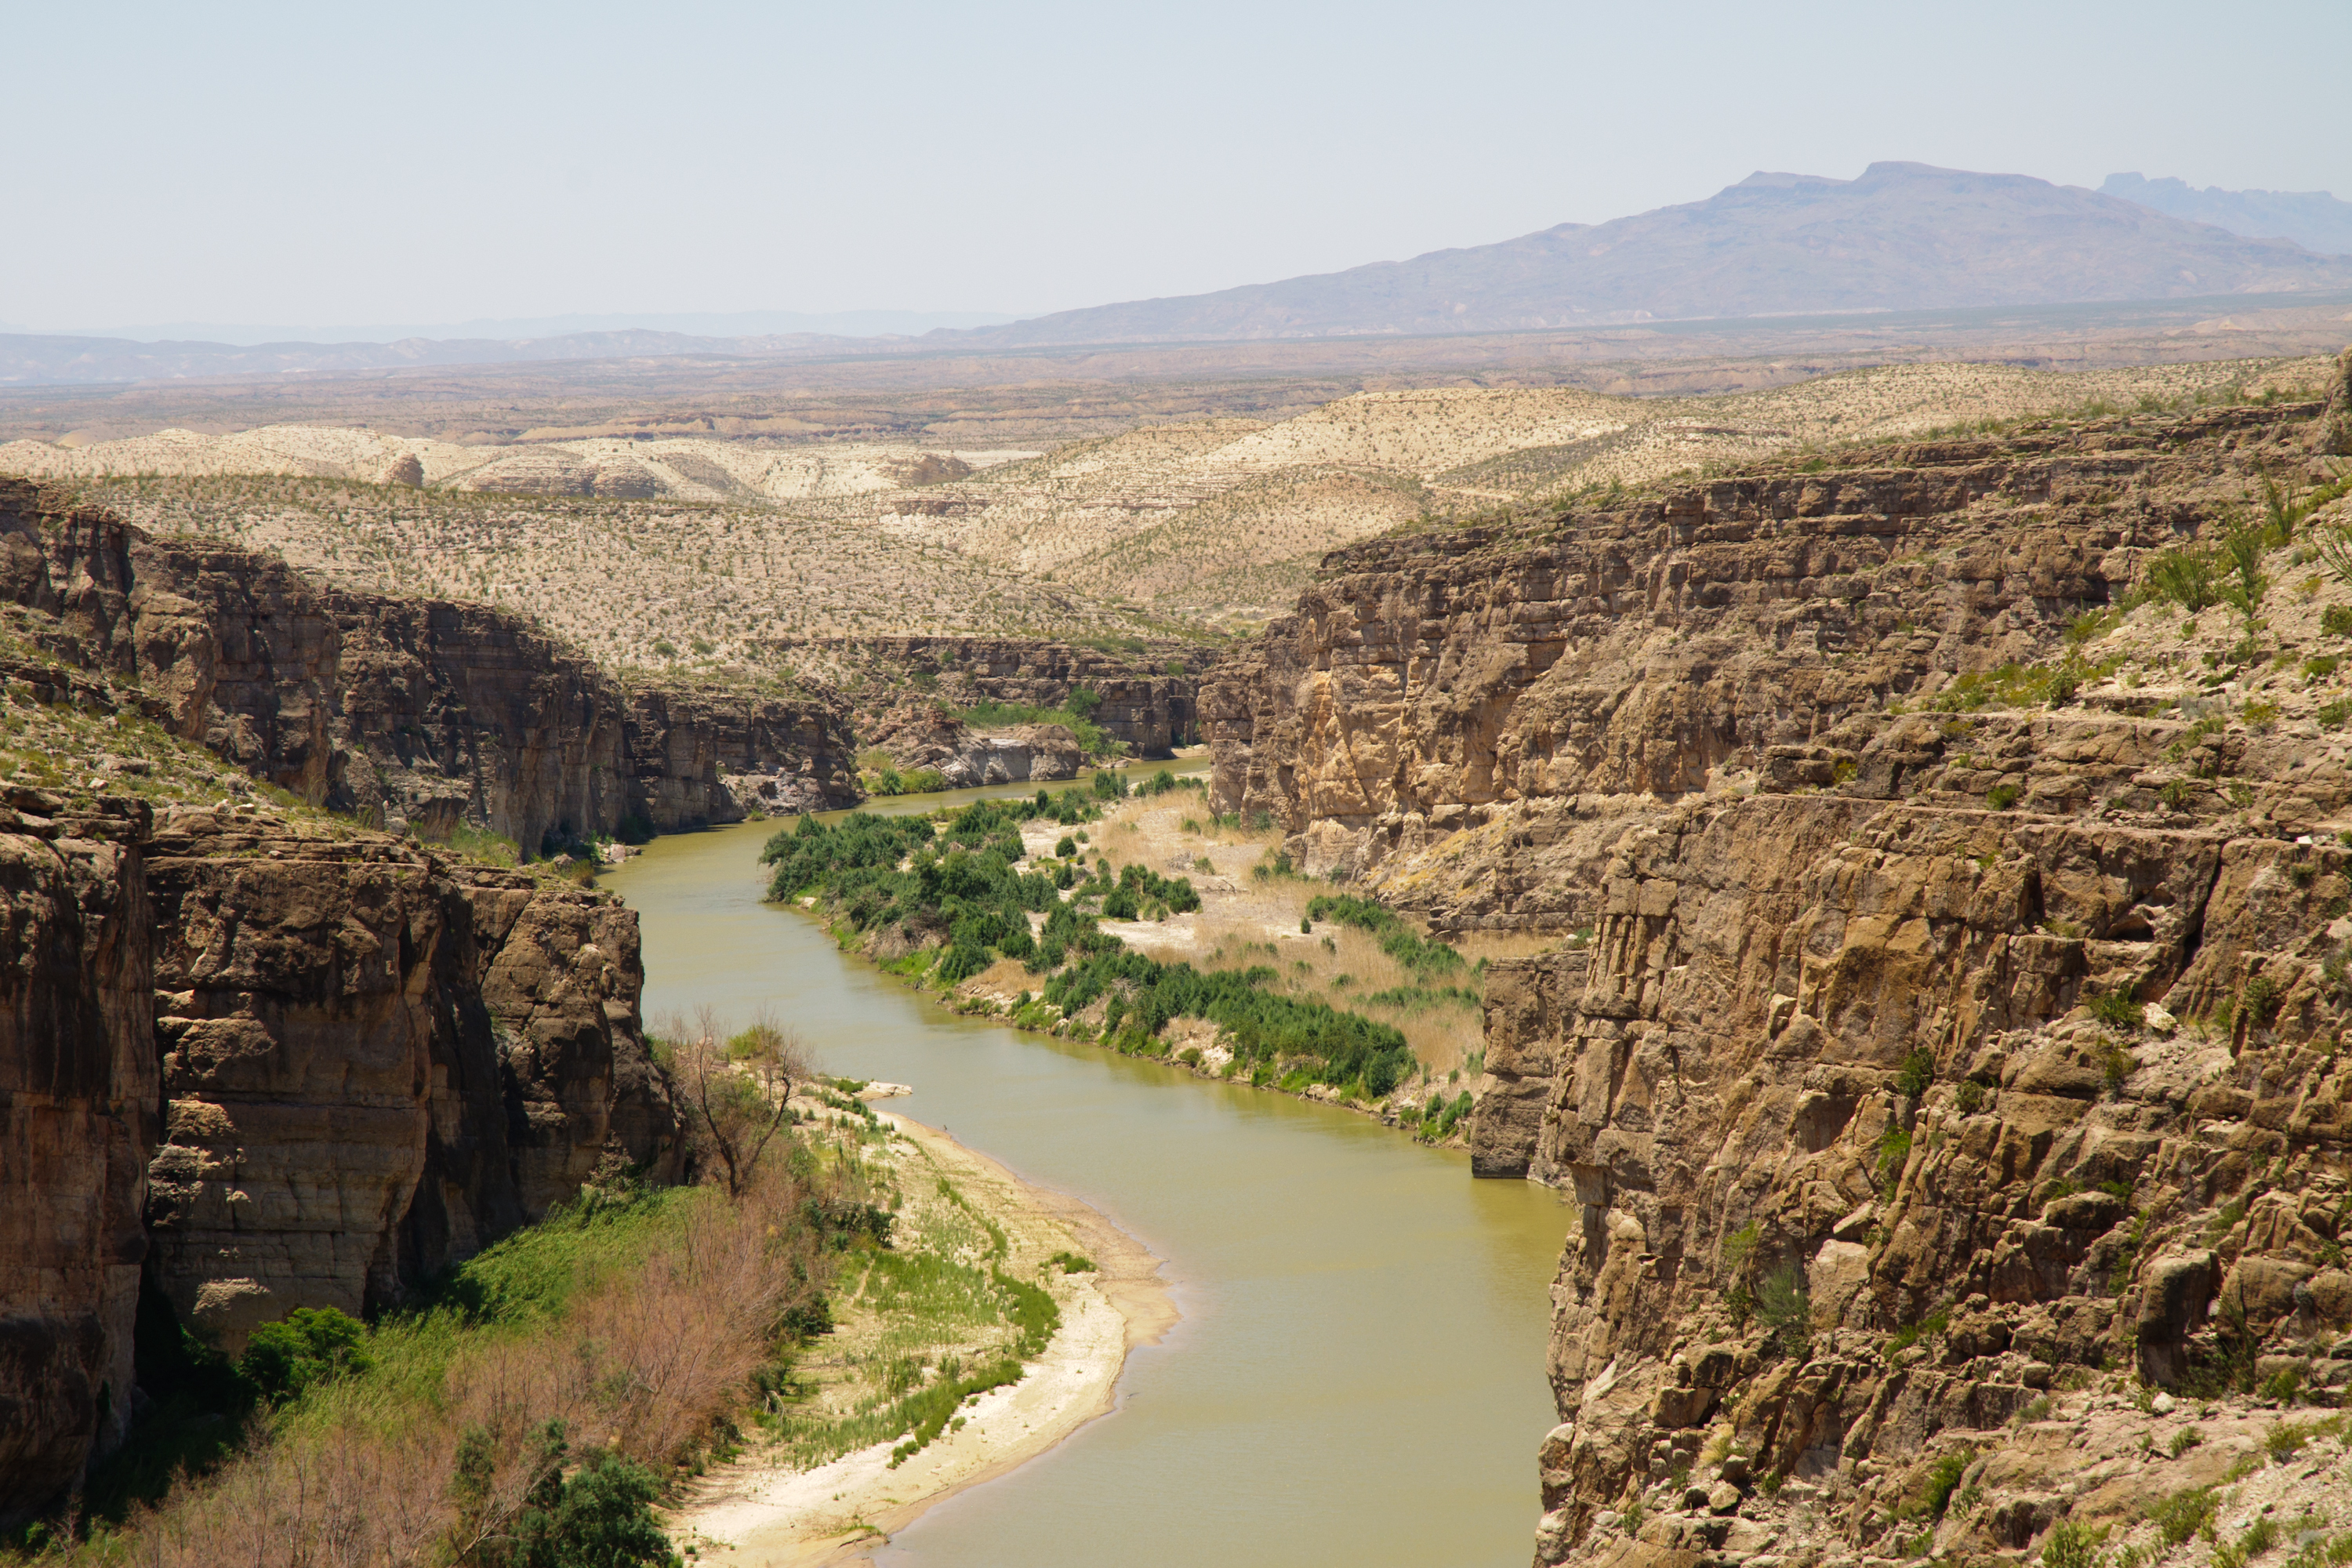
416 713
78 1115
1943 1030
1147 699
287 1068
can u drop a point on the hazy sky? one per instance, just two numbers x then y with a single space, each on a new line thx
417 162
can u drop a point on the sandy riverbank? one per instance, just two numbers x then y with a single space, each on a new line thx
760 1515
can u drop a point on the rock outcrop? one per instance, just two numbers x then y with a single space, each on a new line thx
1147 699
284 1067
1944 1027
922 732
418 714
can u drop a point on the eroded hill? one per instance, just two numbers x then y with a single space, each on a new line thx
688 551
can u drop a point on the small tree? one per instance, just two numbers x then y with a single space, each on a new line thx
2242 551
736 1088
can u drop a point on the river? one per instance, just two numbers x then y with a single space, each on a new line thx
1359 1374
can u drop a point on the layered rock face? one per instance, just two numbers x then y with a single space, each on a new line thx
286 1068
78 1116
922 732
698 757
277 1060
418 713
1932 1048
1143 704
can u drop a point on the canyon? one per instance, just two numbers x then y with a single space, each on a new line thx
1941 1047
1939 938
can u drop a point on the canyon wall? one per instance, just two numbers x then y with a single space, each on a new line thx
1942 1029
1145 704
282 1066
418 714
264 1058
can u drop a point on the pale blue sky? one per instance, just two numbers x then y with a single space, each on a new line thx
425 164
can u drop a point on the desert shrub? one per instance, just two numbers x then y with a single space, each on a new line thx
1263 1029
309 1345
2189 578
1784 1308
1944 1480
2071 1545
1894 1155
1917 1072
2001 796
2116 1009
2187 1437
2184 1513
1423 956
1970 1097
2335 620
2261 1000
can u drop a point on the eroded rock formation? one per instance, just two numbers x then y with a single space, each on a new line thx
1943 1031
418 713
1144 702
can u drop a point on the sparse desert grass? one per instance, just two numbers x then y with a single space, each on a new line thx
1247 920
1155 530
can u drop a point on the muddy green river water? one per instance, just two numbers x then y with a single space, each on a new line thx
1357 1377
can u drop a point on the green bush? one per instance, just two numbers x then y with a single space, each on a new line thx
1970 1097
2001 796
1894 1155
2336 620
2261 1003
1917 1072
2116 1009
1944 1480
310 1345
1424 956
1784 1308
2189 578
1263 1029
2071 1545
2184 1513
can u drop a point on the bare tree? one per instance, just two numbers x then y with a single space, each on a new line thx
736 1087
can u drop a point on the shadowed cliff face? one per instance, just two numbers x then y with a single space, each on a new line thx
280 1060
289 1068
1932 1049
78 1115
416 713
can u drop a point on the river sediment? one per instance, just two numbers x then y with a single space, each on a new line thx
760 1513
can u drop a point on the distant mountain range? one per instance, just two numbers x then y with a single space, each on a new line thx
2314 220
1904 237
699 324
42 359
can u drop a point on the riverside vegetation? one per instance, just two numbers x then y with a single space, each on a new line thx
960 896
543 1402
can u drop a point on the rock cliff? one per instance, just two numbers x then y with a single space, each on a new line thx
266 1059
1147 699
416 714
285 1067
1941 1047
